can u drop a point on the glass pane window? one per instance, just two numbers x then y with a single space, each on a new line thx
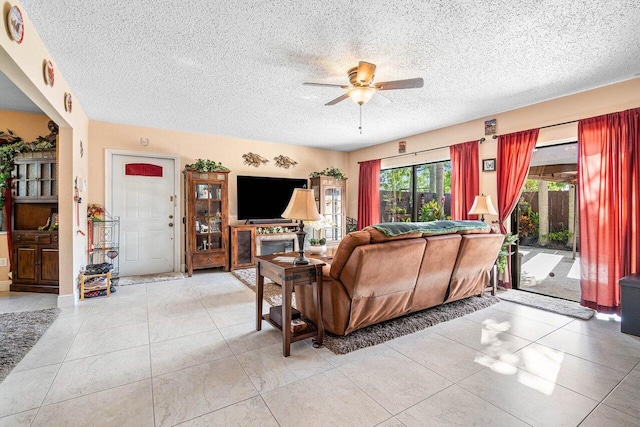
416 193
396 194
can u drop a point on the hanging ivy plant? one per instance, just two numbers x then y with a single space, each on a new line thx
10 146
330 171
205 165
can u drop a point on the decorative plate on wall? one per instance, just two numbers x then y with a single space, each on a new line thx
68 103
49 73
15 23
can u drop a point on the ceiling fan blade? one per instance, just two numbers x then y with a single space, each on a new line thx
366 71
400 84
325 84
338 99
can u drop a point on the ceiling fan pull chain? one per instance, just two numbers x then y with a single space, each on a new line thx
360 120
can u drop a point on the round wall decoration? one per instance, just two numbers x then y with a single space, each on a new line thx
49 73
68 103
15 23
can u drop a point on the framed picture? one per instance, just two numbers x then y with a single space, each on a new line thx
402 147
490 127
489 165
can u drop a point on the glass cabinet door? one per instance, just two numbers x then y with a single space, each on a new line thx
208 217
333 211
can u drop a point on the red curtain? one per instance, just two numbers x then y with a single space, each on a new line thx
512 164
609 200
369 194
465 181
514 157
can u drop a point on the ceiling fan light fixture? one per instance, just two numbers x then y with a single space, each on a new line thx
361 95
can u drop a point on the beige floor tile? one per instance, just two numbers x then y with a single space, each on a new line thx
92 374
513 324
23 419
529 398
233 314
455 406
108 340
619 354
391 422
244 337
326 399
580 375
393 380
448 358
48 350
342 359
174 306
625 397
191 350
22 391
268 368
127 405
108 319
488 339
250 412
162 329
542 316
183 395
65 326
604 415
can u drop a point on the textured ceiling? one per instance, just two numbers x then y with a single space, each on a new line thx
236 68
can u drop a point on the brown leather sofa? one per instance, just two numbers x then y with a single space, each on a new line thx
373 277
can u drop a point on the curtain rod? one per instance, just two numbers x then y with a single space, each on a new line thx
548 126
415 153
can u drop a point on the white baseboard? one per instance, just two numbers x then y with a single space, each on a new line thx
4 285
66 300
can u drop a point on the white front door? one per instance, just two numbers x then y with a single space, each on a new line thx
143 196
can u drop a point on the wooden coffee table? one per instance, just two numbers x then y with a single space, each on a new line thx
288 275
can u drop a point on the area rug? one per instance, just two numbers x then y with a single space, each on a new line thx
148 278
19 332
555 305
385 331
272 293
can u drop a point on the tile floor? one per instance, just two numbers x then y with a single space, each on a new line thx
186 352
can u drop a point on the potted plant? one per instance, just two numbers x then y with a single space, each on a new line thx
317 246
330 171
505 252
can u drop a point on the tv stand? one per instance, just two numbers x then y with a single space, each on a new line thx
249 240
269 221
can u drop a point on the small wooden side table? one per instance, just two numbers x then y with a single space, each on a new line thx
288 275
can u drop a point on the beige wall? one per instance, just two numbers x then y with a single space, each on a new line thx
190 146
23 64
608 99
28 127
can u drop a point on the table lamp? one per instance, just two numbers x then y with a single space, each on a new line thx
301 207
482 205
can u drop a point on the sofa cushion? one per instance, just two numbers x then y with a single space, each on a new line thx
378 236
346 246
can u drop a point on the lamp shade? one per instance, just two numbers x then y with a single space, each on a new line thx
361 95
482 205
302 206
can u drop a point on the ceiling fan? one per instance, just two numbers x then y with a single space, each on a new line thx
362 87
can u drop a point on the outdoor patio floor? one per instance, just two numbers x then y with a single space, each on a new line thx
550 272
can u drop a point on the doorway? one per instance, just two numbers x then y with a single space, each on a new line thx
142 191
547 223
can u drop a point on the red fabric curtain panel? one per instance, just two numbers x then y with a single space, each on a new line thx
465 179
609 200
512 165
369 194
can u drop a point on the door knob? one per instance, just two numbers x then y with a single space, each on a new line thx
170 224
170 216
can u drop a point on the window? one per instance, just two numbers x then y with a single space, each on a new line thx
416 193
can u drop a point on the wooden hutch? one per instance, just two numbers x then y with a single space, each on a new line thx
34 231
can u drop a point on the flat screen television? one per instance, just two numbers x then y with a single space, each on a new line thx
264 198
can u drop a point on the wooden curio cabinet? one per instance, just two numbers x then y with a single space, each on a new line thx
34 234
243 248
331 198
207 219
